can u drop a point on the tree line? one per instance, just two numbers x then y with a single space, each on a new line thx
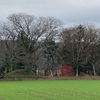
26 41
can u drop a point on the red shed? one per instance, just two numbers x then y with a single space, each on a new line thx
65 70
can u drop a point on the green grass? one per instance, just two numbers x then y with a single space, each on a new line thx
50 90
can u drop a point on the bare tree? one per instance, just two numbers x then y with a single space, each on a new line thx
24 35
93 49
77 42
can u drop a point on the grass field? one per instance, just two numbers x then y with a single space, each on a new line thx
50 90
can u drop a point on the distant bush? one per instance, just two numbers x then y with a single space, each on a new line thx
22 73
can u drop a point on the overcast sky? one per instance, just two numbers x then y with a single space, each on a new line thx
71 12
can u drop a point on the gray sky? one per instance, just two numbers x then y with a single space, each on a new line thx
71 12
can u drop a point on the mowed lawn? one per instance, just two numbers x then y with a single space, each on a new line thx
50 90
